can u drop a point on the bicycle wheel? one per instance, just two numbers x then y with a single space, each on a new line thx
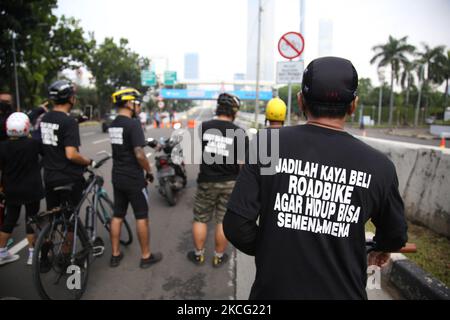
55 275
105 212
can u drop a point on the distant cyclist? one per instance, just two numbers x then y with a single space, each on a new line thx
276 113
21 177
128 177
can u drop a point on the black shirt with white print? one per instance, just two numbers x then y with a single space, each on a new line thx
126 134
222 151
58 131
310 242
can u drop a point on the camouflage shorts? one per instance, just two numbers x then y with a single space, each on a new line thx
212 198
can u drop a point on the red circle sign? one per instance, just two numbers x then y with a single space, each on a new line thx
291 45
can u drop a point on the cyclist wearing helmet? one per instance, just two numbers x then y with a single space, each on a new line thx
218 172
21 178
276 113
63 164
313 207
129 181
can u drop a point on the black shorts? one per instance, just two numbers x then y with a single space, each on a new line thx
137 198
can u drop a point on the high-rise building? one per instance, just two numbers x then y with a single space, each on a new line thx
325 37
191 66
267 69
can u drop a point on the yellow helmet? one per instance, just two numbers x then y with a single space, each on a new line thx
276 110
124 95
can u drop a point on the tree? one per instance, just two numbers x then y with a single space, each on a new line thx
393 54
113 67
283 94
429 70
45 45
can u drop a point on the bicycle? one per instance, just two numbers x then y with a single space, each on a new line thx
65 246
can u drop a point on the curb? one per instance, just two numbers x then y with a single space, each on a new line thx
416 284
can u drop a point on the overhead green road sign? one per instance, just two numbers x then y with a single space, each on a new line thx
170 77
148 78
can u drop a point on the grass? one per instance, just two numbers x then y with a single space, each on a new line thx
433 251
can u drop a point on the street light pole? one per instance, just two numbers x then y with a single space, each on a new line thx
381 77
15 71
258 63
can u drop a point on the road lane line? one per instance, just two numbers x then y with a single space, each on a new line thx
87 134
100 141
22 244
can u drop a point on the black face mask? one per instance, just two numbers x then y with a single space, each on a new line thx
5 107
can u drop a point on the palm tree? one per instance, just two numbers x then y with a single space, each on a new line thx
393 54
445 63
430 69
407 78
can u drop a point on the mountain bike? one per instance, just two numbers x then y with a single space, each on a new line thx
66 246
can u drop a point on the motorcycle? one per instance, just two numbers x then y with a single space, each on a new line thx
170 167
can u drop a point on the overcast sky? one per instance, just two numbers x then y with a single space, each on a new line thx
217 29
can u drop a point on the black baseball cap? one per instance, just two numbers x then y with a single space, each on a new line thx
330 81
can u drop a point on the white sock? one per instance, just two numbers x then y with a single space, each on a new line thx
218 255
30 251
199 252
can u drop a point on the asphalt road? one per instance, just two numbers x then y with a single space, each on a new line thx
174 277
170 228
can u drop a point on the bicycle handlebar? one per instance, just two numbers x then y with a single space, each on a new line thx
408 248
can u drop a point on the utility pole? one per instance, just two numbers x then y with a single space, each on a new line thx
381 78
258 63
15 71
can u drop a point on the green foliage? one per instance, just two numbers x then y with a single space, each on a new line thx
115 66
45 45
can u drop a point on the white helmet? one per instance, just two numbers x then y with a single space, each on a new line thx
18 125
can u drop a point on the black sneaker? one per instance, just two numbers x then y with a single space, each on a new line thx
154 258
196 259
115 260
218 262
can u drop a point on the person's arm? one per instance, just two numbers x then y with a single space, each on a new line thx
71 142
138 141
142 159
241 232
74 156
390 223
239 223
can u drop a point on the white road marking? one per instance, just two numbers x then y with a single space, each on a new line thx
22 244
100 141
87 134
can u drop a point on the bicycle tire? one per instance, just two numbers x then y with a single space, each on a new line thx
107 209
47 233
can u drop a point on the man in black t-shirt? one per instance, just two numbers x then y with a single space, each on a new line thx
218 172
313 207
129 181
63 164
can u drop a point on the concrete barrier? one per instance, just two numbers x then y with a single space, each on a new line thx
424 181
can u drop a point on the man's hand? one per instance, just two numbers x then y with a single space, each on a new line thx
149 177
377 258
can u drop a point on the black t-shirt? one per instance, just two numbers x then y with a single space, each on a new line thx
21 171
59 130
311 236
223 148
126 134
